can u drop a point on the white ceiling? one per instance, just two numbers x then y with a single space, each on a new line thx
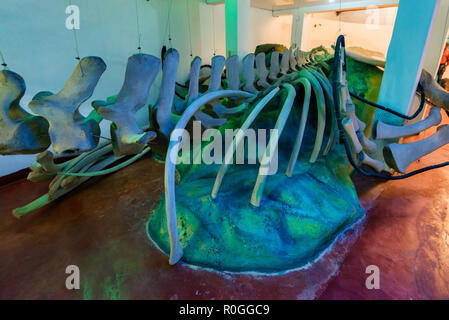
288 4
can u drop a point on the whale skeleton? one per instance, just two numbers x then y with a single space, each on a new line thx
259 88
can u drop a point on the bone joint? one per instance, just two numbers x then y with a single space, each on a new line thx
70 132
128 138
21 133
400 156
386 131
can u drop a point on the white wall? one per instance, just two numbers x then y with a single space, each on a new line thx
36 45
323 29
268 29
264 28
213 25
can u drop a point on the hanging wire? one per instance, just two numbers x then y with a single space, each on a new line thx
213 29
339 19
295 30
169 23
139 34
188 23
5 66
75 38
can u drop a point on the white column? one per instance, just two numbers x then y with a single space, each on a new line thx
237 27
435 49
405 58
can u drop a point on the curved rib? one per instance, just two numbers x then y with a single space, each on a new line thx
268 156
319 96
47 198
302 125
328 92
173 148
229 154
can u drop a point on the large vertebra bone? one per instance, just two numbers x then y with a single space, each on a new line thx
386 131
233 72
207 120
70 132
164 103
193 92
262 71
218 64
194 80
292 60
127 137
274 66
285 61
248 73
400 156
20 132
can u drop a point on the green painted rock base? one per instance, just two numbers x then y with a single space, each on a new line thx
298 219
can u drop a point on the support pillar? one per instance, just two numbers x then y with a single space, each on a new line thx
405 58
237 13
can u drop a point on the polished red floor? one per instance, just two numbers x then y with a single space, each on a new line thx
100 228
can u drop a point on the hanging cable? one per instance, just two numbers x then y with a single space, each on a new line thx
169 23
75 38
189 28
335 91
400 115
213 29
339 19
4 65
139 34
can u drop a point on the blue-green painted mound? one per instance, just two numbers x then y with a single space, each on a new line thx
298 218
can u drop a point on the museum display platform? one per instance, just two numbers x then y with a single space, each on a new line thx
101 229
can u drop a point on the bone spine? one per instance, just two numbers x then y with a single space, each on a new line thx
248 73
373 163
285 61
400 156
386 131
348 125
262 70
274 65
232 72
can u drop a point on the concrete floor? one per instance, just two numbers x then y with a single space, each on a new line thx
100 228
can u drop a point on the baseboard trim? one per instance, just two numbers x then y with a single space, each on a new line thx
15 176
